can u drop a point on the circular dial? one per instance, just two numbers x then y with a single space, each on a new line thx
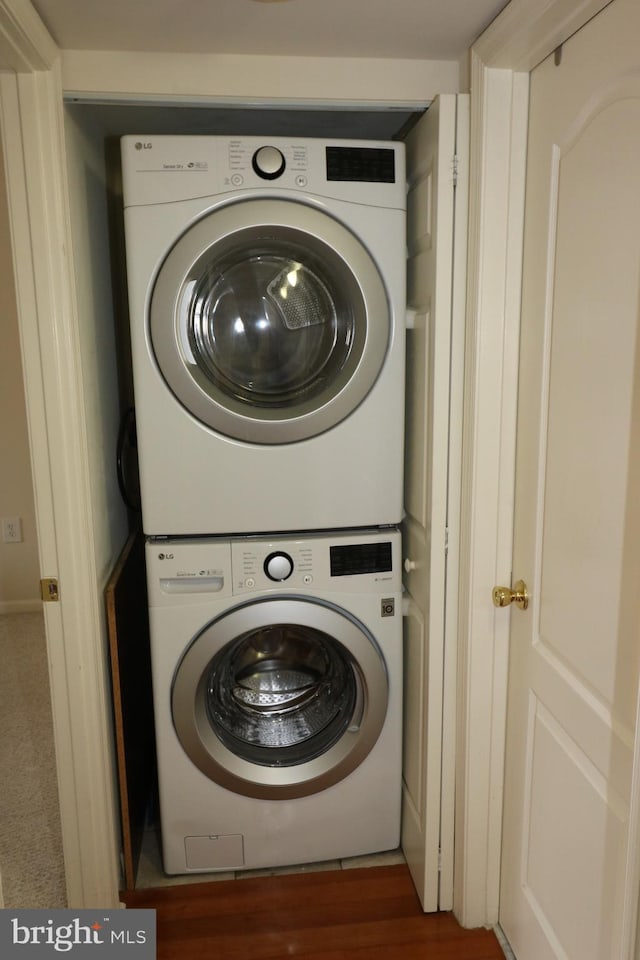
278 566
268 163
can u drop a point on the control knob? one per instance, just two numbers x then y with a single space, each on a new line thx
268 163
278 566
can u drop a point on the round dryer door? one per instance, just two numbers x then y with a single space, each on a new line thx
269 321
280 698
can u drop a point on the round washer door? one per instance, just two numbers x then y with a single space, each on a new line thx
269 321
280 698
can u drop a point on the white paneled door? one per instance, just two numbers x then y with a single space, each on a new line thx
436 206
569 844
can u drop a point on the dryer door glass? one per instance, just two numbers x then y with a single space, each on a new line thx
268 330
269 321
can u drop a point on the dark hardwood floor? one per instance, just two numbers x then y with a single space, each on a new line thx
361 914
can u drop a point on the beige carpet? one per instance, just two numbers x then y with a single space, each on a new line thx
31 864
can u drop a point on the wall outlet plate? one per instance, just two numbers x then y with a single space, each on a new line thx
12 530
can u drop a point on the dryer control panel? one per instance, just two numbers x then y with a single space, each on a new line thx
166 169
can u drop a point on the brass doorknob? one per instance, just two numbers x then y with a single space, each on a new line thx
504 596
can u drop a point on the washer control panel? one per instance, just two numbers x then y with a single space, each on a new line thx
346 562
263 563
187 571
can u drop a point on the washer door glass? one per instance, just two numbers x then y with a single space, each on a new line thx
268 702
282 695
269 321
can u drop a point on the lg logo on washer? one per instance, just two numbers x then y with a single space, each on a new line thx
143 146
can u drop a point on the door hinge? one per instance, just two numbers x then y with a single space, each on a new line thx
455 169
49 590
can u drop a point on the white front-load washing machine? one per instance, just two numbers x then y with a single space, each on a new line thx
267 308
277 679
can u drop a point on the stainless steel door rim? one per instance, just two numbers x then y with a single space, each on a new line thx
269 321
318 760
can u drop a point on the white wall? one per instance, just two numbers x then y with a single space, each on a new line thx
19 565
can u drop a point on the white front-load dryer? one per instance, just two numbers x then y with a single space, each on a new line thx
267 305
277 680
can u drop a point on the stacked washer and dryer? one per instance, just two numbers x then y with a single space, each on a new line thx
267 304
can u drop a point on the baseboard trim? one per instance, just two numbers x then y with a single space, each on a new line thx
504 943
20 606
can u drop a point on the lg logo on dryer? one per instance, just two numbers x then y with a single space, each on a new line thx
165 556
139 145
